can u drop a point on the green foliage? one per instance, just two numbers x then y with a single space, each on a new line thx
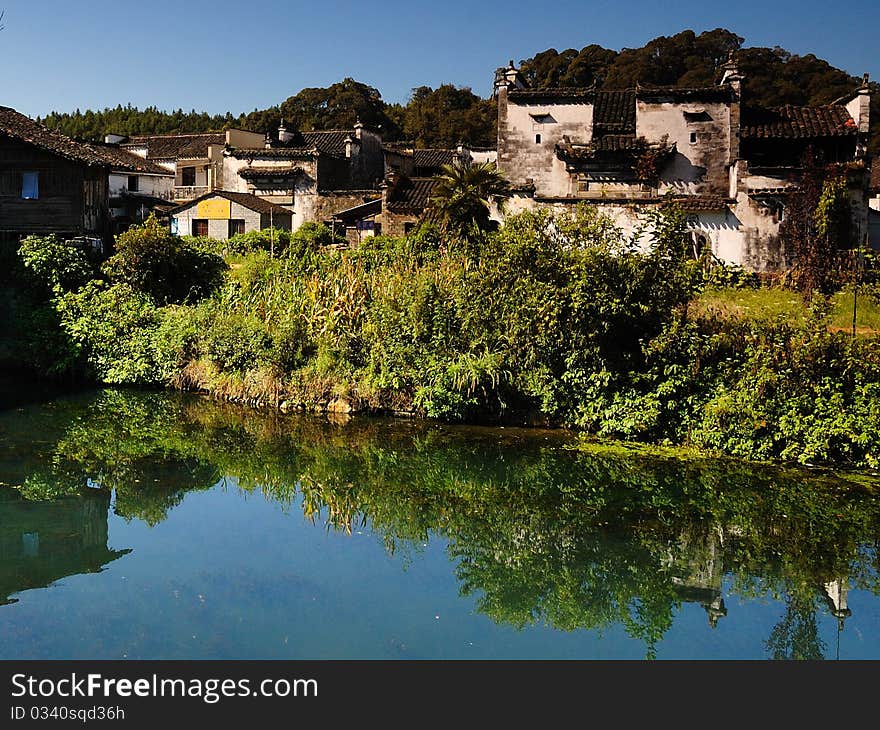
461 199
152 260
236 342
447 116
115 326
62 265
554 318
267 239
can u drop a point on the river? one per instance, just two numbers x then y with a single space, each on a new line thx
169 526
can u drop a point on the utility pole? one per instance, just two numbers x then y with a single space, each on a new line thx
859 262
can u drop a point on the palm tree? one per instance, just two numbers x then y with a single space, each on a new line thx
462 197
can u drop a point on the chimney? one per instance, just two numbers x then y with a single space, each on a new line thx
358 129
349 143
283 135
733 78
509 78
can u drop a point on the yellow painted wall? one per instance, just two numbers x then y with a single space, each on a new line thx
217 209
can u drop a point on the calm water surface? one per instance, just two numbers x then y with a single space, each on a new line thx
164 526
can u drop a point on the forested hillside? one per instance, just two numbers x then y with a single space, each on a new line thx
448 114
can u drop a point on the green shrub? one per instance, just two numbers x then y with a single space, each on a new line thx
116 327
152 260
237 342
61 265
268 239
291 345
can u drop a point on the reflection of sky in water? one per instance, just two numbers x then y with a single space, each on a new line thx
231 575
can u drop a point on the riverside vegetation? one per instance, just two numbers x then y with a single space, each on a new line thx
553 318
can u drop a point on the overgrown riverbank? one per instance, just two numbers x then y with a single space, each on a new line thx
552 319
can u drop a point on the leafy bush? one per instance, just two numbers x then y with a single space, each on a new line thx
116 327
291 345
237 342
152 260
62 265
268 239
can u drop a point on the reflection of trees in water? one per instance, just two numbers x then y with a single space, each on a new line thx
796 636
538 534
44 541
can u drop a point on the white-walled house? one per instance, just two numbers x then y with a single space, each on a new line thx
730 166
221 214
312 174
136 186
196 160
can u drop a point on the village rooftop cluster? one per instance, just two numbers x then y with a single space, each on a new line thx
729 165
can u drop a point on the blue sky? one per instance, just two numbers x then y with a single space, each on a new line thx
236 56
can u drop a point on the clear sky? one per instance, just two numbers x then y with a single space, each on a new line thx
237 56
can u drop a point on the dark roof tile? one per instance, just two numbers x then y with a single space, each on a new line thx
614 112
23 128
279 171
684 93
798 122
330 142
121 159
434 157
554 93
411 194
176 146
247 200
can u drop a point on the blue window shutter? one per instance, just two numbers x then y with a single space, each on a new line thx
30 186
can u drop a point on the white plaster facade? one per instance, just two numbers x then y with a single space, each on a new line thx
561 147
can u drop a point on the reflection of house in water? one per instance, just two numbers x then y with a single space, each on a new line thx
42 542
836 597
698 569
697 565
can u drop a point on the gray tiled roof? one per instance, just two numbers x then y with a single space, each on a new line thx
247 200
176 146
798 122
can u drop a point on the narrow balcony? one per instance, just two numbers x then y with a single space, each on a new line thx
182 193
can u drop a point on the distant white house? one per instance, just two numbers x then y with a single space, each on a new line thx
221 214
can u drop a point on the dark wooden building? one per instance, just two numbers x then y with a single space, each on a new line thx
50 183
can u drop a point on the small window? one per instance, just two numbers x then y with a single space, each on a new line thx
537 139
693 137
133 183
188 176
408 228
236 226
30 185
200 228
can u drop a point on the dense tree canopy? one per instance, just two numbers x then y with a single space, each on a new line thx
446 115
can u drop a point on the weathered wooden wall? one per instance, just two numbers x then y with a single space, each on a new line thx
73 198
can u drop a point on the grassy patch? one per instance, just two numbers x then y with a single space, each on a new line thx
867 313
777 303
757 304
